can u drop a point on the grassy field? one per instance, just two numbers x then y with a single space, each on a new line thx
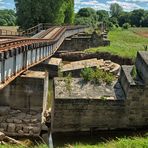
125 43
12 146
119 143
135 142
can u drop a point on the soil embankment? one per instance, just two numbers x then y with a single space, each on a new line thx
76 56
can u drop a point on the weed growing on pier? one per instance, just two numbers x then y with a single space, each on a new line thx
97 76
87 74
134 72
60 73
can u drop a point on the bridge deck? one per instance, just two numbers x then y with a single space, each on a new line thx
17 55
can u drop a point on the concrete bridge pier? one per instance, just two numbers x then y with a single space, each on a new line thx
52 66
23 103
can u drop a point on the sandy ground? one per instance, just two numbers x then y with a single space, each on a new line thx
144 34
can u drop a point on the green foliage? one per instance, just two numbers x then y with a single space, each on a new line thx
87 74
136 17
103 15
18 146
124 43
114 21
134 72
97 76
145 47
135 142
103 98
90 17
108 78
60 73
124 18
86 16
7 18
126 26
115 10
86 12
44 11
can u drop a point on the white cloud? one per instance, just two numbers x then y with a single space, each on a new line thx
7 4
125 5
90 3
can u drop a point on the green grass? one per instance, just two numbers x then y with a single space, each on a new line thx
15 146
135 142
50 93
124 43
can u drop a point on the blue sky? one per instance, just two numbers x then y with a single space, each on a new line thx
128 5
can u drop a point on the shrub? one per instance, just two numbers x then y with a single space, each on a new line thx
97 76
145 47
126 26
60 73
108 78
87 74
134 72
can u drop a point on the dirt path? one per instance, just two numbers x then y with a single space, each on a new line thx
144 34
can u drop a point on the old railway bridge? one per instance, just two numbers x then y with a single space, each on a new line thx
26 49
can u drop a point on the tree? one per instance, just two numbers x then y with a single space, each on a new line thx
136 17
124 18
86 16
44 11
103 15
144 22
7 17
115 10
86 12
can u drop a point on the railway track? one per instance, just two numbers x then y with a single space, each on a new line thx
21 53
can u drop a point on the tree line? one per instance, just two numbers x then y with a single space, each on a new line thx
32 12
114 18
7 18
59 12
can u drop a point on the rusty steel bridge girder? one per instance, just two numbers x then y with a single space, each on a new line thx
17 55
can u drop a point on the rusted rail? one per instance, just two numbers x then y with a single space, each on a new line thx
17 55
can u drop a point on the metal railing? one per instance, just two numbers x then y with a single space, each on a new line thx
18 55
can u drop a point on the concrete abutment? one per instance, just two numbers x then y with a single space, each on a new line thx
23 103
84 108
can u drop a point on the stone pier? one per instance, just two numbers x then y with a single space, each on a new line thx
84 41
22 104
80 106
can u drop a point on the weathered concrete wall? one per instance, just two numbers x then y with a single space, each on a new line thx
78 113
83 42
142 65
76 56
86 114
19 123
22 104
51 65
27 91
84 107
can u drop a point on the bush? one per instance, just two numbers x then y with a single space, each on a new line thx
108 78
97 76
126 26
87 74
134 72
